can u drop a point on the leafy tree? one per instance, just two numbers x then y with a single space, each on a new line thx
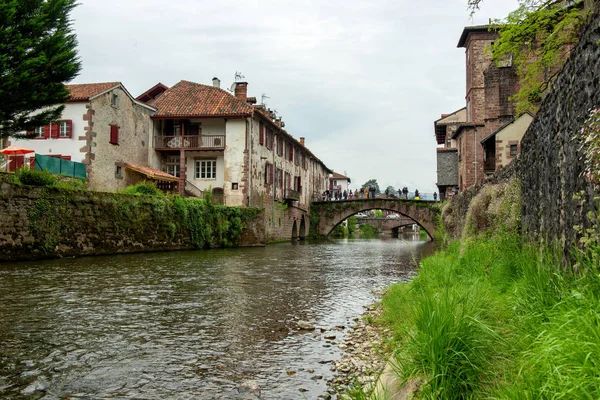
372 183
390 189
37 55
537 37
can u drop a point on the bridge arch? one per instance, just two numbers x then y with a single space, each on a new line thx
326 215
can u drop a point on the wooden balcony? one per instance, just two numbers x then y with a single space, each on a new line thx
201 142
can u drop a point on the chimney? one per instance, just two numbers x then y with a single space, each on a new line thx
216 82
241 90
302 141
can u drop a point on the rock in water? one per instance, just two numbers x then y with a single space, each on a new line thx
250 387
306 326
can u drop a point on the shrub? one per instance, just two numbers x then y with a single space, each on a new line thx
35 177
143 188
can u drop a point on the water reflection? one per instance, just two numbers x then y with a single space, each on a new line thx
186 324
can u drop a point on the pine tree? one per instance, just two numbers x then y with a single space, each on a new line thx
38 53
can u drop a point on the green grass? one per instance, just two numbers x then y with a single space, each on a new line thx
497 318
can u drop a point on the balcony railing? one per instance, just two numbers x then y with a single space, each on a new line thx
190 142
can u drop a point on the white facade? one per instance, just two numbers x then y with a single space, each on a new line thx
61 146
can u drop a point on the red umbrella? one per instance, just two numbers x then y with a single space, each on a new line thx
16 150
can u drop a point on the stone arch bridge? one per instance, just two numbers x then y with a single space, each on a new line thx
326 215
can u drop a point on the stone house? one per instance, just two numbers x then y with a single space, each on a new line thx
502 145
213 140
489 87
103 127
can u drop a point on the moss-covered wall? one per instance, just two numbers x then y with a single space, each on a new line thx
38 222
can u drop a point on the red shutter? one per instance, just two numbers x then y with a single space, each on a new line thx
54 130
114 134
271 173
46 131
70 127
32 162
261 138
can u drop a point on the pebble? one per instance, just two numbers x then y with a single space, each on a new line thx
360 359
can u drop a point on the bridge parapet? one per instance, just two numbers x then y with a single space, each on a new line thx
326 215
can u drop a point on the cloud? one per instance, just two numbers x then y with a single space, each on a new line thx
362 81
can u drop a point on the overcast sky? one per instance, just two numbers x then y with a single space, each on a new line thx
362 81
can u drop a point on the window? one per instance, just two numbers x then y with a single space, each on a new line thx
172 165
206 169
279 178
38 133
114 100
261 137
269 139
268 173
290 151
114 135
119 172
514 149
65 129
279 146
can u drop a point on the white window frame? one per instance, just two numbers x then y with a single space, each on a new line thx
63 129
172 166
39 132
206 169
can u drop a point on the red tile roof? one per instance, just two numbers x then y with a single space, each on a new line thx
152 173
83 91
335 175
189 99
150 95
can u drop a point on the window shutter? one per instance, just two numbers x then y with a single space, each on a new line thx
32 162
261 139
114 134
30 133
46 131
271 173
70 125
54 130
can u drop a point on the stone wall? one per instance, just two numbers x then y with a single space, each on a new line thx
551 166
37 222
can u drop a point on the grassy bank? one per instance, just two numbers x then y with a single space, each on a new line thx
497 318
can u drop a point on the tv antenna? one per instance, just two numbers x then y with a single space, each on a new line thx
238 76
263 97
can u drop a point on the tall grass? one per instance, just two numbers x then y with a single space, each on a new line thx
497 318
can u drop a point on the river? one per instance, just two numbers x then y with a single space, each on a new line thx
188 325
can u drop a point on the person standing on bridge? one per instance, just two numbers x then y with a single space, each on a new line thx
356 193
345 195
405 192
417 197
367 192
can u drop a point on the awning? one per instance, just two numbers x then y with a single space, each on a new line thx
152 173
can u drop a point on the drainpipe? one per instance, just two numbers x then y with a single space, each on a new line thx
182 162
249 150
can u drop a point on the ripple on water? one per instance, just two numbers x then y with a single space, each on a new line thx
187 324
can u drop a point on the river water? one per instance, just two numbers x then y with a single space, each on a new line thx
188 325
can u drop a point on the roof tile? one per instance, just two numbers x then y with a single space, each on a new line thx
189 99
83 91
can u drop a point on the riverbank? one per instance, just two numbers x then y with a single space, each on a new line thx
496 317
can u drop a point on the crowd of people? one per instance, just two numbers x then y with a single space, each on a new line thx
369 192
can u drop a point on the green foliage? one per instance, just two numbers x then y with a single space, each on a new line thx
352 221
368 231
144 188
340 231
70 183
35 177
378 213
537 37
372 183
498 318
38 53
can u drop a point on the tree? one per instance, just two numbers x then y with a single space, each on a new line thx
372 183
537 39
390 190
38 53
